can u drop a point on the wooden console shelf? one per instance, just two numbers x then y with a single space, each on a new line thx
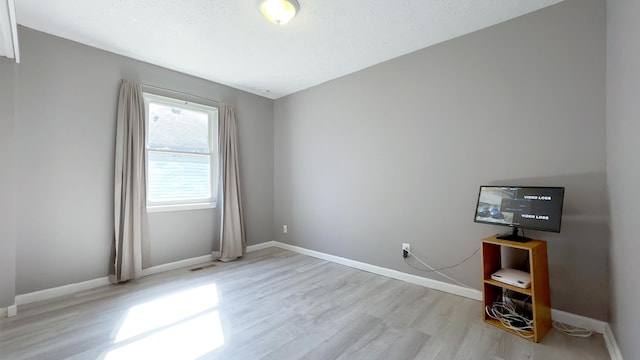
539 290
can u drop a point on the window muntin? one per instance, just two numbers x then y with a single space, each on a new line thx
181 154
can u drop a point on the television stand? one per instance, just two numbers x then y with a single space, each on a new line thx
513 236
539 292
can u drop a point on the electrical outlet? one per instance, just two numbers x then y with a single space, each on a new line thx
284 229
406 249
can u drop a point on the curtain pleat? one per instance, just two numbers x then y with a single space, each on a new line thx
232 231
129 253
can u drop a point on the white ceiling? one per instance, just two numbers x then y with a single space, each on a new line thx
229 42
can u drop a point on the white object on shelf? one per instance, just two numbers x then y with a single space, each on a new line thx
513 277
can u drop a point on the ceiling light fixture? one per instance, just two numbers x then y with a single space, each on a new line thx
279 11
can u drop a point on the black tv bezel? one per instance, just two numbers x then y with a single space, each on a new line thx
475 213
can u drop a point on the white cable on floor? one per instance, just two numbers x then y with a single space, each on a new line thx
572 330
438 272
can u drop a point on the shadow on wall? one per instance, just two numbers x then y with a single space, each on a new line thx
579 254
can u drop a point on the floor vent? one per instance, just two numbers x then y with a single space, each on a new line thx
202 267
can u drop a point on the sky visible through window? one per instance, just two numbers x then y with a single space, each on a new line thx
179 156
178 129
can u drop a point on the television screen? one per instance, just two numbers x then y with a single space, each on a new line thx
525 207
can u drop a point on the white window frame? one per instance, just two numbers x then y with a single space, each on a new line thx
213 115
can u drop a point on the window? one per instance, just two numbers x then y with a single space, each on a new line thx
181 152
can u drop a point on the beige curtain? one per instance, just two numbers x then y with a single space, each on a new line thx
232 233
129 252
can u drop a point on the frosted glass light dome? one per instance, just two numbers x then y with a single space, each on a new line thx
279 11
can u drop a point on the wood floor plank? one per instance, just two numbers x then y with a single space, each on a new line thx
342 338
387 341
272 304
513 348
478 343
407 346
323 327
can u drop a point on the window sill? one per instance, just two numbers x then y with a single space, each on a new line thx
186 207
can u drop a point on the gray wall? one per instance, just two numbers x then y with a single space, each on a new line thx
395 153
7 183
623 127
66 96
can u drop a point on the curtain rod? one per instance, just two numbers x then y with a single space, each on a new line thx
216 102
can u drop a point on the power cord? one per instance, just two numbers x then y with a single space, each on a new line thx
437 271
572 330
525 305
506 313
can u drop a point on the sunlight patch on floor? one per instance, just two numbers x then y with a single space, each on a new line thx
167 310
184 325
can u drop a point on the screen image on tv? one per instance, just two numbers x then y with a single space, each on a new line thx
525 207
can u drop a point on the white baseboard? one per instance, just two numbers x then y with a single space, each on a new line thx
580 321
612 344
12 310
8 312
264 245
414 279
250 248
90 284
176 265
557 315
60 291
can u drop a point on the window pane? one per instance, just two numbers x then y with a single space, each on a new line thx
178 129
178 177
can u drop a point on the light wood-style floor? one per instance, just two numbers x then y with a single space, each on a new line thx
273 304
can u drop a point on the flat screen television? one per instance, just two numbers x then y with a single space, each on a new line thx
520 207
